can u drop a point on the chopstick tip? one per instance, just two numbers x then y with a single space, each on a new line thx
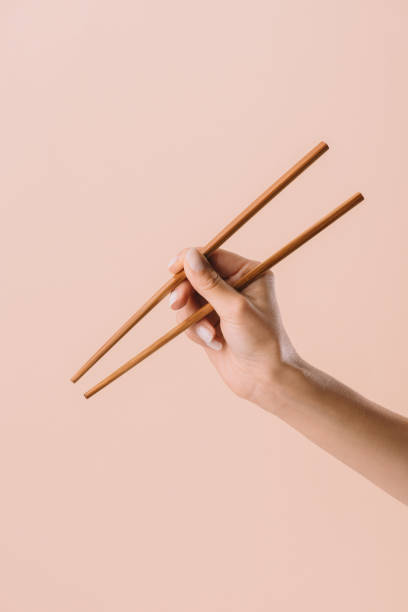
93 390
78 374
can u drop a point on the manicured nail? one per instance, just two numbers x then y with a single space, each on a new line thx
195 260
172 261
204 333
215 344
173 297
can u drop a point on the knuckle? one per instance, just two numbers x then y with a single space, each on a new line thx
210 280
239 307
190 334
270 277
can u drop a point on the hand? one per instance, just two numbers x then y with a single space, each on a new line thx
244 336
246 342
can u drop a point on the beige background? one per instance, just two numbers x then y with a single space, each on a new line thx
130 130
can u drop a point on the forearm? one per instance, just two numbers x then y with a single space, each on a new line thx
363 435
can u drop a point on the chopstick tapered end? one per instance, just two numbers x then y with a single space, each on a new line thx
94 390
80 372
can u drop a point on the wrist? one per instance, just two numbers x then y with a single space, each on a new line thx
282 386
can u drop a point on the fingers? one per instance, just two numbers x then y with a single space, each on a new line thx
184 299
230 267
203 332
180 295
227 264
208 280
209 284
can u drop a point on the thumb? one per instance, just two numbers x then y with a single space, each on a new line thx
209 284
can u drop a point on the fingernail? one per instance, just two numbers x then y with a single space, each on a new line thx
195 260
173 297
204 333
172 261
215 344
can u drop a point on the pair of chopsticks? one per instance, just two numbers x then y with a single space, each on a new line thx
240 284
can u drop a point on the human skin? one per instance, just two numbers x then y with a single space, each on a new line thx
247 344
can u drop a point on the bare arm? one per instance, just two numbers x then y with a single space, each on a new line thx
363 435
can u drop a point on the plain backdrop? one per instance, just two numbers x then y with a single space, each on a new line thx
129 130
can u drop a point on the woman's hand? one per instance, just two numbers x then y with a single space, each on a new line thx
244 336
245 340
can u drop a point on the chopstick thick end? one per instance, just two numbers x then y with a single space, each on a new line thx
357 198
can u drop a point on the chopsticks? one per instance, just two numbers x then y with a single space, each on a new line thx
240 284
216 242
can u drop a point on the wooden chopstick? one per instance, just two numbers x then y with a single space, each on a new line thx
240 284
216 242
